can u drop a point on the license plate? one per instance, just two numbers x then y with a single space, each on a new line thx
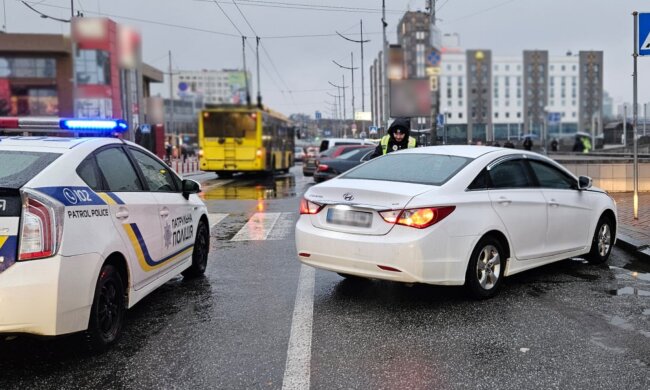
349 217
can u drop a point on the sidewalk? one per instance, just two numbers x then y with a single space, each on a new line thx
633 235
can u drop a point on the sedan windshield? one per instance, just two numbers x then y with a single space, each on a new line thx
17 168
431 169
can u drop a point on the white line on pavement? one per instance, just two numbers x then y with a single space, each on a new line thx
258 227
297 371
215 218
283 227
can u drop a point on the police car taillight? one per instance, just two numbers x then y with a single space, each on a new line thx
41 227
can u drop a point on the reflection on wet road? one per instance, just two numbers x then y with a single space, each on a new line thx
249 187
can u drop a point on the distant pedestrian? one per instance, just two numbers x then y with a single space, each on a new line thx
528 143
496 144
578 145
586 145
554 145
508 144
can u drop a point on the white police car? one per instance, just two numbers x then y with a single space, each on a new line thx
88 227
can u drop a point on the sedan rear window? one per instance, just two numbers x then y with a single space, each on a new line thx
18 168
431 169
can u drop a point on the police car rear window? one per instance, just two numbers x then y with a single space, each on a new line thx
17 168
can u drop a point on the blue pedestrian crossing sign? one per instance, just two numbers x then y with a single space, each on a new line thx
434 58
554 118
318 115
644 34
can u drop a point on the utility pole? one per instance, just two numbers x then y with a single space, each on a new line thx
362 41
171 98
71 9
635 15
435 101
352 69
386 108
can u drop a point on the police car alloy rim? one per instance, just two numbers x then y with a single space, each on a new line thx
488 267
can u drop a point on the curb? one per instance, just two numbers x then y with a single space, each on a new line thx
635 247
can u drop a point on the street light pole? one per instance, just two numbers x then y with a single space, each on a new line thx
386 107
352 69
635 115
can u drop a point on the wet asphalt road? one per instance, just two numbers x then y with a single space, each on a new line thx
566 325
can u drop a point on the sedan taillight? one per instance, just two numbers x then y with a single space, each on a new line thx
419 218
41 227
309 207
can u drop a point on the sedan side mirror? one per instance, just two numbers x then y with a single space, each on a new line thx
584 182
190 187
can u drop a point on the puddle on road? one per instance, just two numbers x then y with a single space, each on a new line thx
633 283
246 187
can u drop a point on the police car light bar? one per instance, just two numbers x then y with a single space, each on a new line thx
52 124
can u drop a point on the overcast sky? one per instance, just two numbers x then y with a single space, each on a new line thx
201 37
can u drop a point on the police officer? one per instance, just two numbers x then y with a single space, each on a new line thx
398 137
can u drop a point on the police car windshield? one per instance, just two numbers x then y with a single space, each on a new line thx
431 169
17 168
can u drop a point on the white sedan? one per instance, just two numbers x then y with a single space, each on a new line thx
453 215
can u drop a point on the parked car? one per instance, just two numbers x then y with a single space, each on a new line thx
454 215
298 154
332 167
329 143
311 163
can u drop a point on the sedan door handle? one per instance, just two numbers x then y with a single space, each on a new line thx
553 203
122 214
504 201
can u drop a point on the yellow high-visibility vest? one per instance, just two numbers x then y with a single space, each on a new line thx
385 139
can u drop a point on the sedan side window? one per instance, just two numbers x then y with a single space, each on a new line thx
551 177
118 171
510 174
156 174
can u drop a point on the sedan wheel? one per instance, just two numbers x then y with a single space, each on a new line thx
601 245
484 272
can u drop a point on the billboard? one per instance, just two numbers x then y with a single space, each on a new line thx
395 62
237 82
410 98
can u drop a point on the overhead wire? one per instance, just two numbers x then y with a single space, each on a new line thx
309 7
249 46
264 50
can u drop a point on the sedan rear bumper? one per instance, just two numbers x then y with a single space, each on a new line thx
416 256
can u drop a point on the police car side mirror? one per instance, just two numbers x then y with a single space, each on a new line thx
190 187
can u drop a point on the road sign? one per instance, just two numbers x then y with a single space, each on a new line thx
433 83
440 119
644 34
432 70
554 118
318 115
434 58
145 128
373 129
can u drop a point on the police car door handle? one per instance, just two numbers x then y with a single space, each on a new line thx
122 214
164 213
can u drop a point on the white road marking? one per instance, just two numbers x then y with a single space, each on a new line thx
283 227
215 218
258 227
297 371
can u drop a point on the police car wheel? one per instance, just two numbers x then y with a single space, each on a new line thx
108 309
200 253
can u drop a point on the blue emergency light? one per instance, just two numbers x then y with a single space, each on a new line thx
76 125
89 125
